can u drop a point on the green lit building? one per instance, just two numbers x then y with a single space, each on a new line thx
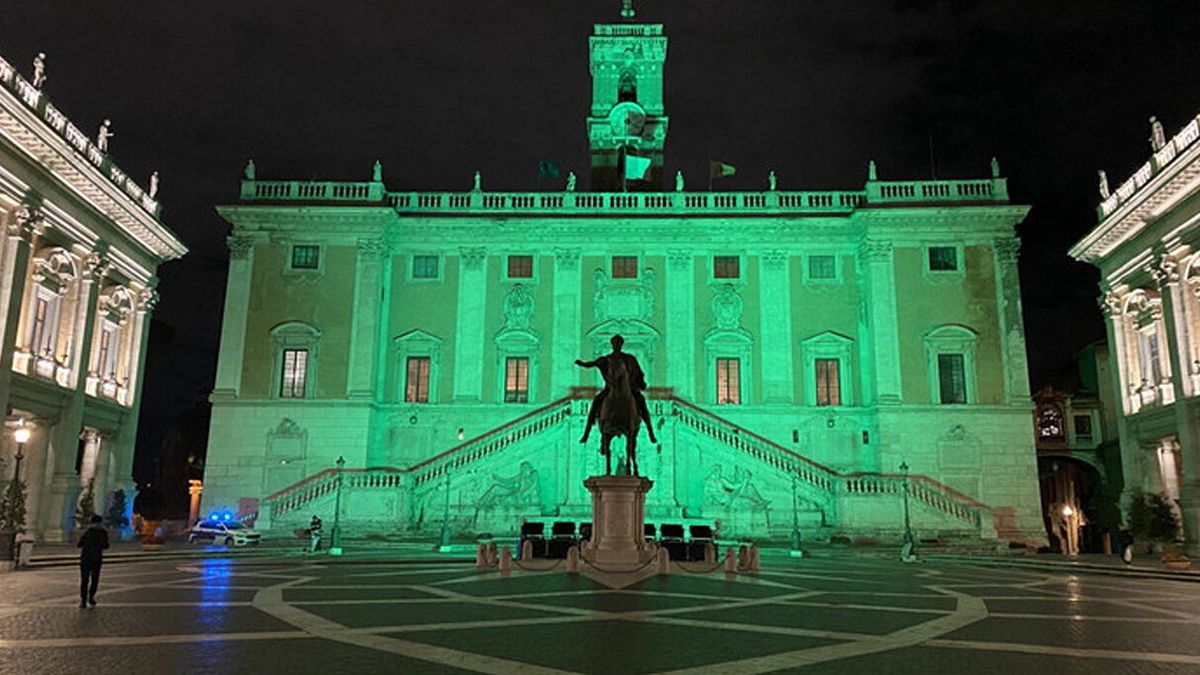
800 346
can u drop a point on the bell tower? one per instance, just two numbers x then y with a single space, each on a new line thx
627 102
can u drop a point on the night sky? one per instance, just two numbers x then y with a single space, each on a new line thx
436 90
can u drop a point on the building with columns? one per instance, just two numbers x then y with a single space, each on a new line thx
801 346
1147 247
78 256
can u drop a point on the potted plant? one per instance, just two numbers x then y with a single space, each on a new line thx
12 517
1152 518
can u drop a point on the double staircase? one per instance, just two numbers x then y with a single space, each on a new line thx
850 503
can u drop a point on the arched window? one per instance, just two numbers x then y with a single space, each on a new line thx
295 359
950 354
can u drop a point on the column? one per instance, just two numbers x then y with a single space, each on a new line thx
565 322
878 264
775 330
233 321
1110 305
64 486
681 323
469 324
1178 347
1012 323
18 231
365 319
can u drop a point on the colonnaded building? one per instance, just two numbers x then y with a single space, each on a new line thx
81 246
800 346
1147 246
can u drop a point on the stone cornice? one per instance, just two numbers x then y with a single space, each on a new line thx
1141 200
49 150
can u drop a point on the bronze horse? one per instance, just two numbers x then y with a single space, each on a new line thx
619 415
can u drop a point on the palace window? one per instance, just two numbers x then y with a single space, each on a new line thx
822 267
1083 427
624 267
727 267
516 380
1150 354
952 378
425 267
520 267
294 379
829 389
296 357
729 382
44 327
416 386
943 258
106 358
306 257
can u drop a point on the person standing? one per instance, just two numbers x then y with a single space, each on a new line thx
92 544
1125 544
314 534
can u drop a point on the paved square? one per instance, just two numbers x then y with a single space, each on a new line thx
832 614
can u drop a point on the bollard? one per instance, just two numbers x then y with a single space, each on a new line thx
755 559
573 560
491 554
731 565
743 557
505 561
526 550
481 560
710 552
663 565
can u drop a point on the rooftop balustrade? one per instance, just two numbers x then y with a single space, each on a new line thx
41 106
1159 161
992 190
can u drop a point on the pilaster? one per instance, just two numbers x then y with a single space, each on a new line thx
18 232
232 349
776 328
878 260
681 323
565 321
1013 357
365 319
469 331
1110 306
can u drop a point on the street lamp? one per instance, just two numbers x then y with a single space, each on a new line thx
335 547
21 436
909 547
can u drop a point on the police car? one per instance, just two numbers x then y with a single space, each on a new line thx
227 532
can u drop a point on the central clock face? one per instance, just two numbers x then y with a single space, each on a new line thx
627 119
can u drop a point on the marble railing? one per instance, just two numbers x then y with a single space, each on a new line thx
41 106
323 483
1188 135
922 489
838 201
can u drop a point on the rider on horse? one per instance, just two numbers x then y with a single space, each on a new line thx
637 380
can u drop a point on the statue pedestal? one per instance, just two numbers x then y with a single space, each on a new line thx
618 515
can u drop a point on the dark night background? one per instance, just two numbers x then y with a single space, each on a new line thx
812 89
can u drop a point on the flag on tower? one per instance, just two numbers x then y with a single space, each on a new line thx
636 167
720 169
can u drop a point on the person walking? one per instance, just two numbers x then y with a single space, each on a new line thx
92 544
1125 545
314 535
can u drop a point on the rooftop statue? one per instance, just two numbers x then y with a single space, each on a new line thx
620 407
995 168
1157 138
571 181
153 191
1104 191
39 70
249 171
478 187
679 181
872 174
103 135
772 181
377 172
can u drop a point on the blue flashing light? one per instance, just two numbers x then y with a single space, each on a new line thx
228 516
212 516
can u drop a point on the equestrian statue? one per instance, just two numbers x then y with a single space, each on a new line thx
620 407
